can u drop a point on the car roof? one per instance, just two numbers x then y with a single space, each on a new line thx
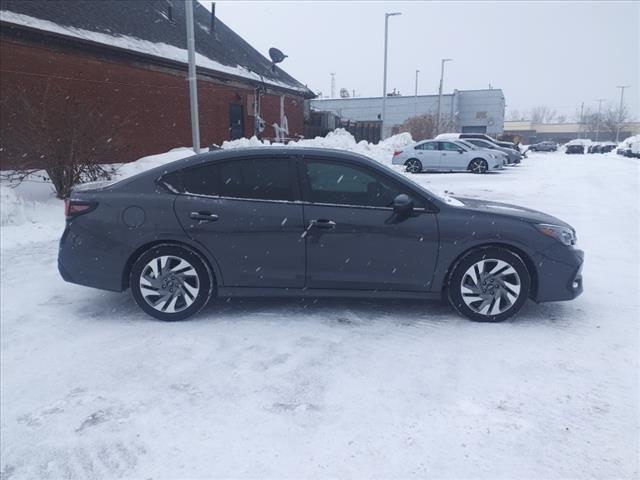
252 152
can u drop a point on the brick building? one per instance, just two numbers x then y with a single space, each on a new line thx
115 73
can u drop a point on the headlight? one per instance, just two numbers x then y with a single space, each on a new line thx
564 235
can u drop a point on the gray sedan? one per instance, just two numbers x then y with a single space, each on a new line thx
512 155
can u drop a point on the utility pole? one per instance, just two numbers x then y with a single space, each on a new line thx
440 93
600 100
581 120
384 78
415 104
193 82
621 87
333 85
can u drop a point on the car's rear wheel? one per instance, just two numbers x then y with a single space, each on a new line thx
489 284
478 165
171 282
413 165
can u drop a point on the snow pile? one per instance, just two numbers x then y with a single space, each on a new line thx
146 163
15 210
339 139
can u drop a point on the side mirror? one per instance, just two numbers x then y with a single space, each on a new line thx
460 151
402 205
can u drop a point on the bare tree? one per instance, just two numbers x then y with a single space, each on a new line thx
425 126
613 118
542 114
515 116
58 137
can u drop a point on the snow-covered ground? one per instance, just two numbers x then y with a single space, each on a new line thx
281 388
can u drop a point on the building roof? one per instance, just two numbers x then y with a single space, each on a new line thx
494 91
557 127
151 27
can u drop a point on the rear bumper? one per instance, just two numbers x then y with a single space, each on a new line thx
559 275
89 260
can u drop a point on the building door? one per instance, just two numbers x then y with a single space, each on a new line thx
236 121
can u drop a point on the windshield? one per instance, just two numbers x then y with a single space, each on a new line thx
467 144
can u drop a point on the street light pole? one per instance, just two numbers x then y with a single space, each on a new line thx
384 81
440 93
600 100
621 87
415 105
193 83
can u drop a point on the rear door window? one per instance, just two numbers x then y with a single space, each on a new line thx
256 179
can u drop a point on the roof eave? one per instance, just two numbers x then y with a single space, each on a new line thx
307 94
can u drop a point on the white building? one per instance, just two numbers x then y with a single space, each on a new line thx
472 110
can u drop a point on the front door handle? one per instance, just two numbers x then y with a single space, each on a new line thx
203 216
324 224
319 223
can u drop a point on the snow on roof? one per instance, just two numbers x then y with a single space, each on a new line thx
143 26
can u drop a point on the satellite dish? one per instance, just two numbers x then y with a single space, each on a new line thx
276 55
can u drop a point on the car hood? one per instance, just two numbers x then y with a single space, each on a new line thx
513 211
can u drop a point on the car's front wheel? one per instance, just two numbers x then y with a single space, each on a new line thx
171 282
489 284
413 165
478 165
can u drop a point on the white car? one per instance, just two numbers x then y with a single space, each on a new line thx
446 156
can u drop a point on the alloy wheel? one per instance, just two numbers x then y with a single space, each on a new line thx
169 284
413 166
478 166
490 287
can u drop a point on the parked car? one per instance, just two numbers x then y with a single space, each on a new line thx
578 145
446 156
482 136
544 147
575 148
277 221
607 147
630 147
505 157
512 155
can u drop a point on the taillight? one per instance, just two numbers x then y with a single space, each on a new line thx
73 208
397 152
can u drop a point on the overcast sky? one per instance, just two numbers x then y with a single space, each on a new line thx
557 54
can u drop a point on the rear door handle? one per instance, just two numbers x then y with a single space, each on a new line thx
203 216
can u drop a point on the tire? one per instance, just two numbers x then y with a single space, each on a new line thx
478 165
482 297
184 288
413 165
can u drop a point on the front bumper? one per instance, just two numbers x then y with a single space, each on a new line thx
559 274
